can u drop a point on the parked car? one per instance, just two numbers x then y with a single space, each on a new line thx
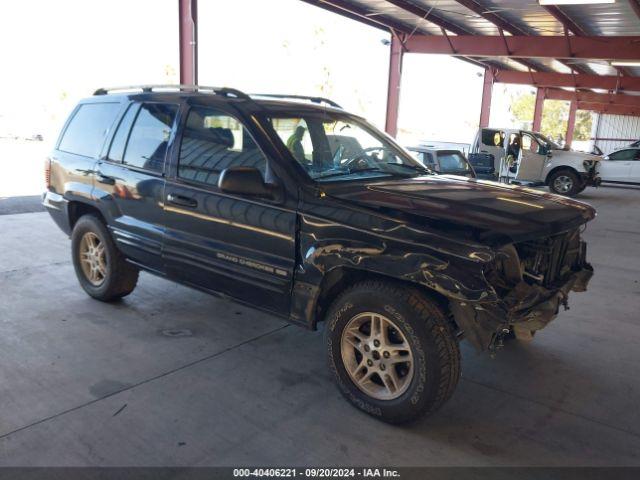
249 199
635 144
621 166
445 162
529 158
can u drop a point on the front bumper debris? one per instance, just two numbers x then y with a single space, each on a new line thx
529 307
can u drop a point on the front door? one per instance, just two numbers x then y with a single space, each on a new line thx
242 247
617 167
531 159
130 180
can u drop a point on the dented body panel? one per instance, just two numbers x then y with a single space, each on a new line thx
445 234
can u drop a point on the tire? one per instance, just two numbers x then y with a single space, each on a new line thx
565 182
105 274
423 384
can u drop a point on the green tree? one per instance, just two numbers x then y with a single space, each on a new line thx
555 117
584 122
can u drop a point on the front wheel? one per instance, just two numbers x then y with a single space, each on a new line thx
101 269
391 350
565 182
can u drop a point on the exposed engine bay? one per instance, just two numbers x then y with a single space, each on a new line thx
532 280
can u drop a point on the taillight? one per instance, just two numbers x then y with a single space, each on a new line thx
47 172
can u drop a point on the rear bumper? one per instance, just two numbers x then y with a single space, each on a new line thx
58 208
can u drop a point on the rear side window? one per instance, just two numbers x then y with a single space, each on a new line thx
88 128
147 144
119 143
492 138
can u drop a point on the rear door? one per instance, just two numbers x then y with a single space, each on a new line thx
240 246
130 180
532 159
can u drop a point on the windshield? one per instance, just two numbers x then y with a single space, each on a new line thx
334 147
546 141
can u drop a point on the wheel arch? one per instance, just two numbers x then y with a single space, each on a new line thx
558 169
77 209
342 277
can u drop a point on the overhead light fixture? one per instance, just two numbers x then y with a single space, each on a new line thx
629 63
573 2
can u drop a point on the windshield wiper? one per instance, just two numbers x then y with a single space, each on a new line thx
351 172
416 168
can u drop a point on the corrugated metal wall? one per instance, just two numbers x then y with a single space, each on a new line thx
615 131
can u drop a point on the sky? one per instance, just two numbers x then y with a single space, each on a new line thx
56 52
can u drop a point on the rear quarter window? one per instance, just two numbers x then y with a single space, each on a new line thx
88 128
492 138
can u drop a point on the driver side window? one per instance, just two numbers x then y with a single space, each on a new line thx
212 141
530 144
624 155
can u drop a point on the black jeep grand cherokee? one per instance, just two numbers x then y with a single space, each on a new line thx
310 213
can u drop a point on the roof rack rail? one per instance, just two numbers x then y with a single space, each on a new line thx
298 97
224 91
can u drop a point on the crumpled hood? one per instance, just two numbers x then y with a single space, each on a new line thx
491 210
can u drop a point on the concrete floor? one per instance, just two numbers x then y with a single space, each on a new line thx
171 376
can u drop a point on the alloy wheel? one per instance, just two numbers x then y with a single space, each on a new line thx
377 356
563 183
93 259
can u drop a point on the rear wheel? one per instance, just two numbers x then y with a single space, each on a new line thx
565 182
391 350
101 269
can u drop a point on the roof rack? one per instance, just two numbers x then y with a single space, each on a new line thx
298 97
224 91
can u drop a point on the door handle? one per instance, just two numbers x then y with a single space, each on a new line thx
182 201
107 180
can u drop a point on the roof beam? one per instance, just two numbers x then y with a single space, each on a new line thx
434 18
598 48
349 10
354 12
430 16
590 97
505 25
635 4
610 109
571 26
543 79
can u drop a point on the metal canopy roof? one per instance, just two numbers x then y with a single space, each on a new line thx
504 18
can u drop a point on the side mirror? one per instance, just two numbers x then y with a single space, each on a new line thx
244 181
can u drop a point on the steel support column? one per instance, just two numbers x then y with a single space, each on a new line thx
487 91
571 124
393 88
188 34
537 112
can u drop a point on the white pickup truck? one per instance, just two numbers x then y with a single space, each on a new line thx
529 158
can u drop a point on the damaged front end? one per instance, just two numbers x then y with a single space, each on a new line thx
532 280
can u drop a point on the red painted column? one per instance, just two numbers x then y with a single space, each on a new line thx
188 35
487 90
393 88
571 124
537 112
